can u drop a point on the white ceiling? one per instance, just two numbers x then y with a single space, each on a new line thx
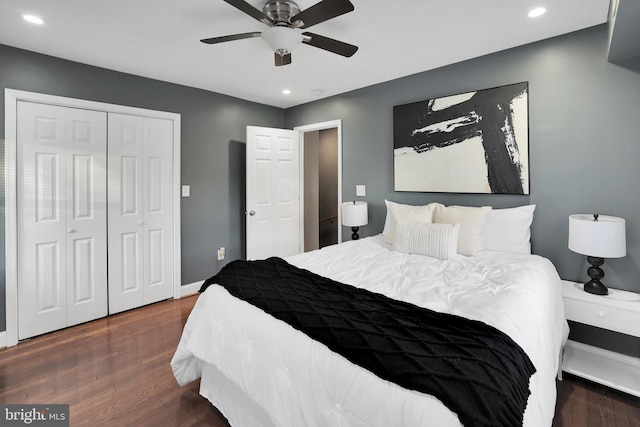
160 39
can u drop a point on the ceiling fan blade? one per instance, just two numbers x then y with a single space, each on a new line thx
251 11
335 46
321 12
214 40
282 60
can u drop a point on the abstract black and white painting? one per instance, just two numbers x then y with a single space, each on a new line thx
475 142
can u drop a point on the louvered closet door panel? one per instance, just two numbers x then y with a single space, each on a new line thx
157 209
125 212
86 190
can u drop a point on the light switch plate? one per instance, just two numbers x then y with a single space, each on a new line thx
186 191
361 191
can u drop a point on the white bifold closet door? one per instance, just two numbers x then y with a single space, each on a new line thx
61 217
140 211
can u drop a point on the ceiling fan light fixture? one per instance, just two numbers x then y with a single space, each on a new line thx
282 40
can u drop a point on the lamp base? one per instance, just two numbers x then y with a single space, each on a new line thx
355 236
594 286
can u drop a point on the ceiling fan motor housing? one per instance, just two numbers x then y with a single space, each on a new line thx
281 11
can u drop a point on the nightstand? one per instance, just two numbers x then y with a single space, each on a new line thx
619 311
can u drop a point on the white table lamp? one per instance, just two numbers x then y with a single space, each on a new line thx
598 237
354 215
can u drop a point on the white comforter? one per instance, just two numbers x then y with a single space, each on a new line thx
260 371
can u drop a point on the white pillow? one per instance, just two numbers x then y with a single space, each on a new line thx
395 210
509 230
434 240
472 221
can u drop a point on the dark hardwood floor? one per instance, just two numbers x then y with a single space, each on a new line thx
112 372
582 403
115 372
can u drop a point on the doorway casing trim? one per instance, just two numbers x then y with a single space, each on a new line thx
331 124
11 98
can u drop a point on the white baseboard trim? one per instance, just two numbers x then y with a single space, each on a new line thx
3 339
190 289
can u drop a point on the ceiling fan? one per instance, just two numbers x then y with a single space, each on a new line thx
284 19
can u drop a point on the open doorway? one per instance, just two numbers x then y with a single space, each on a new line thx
321 184
320 188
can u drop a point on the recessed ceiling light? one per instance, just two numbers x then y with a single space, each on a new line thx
538 11
33 19
286 92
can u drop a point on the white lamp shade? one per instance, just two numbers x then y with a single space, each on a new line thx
604 238
354 214
282 40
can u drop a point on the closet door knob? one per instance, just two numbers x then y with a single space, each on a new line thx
71 230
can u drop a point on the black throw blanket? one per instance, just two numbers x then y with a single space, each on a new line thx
477 371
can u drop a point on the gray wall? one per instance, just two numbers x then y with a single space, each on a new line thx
584 141
212 151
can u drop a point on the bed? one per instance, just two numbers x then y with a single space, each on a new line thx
260 371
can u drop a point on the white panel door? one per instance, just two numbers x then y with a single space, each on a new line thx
62 236
42 292
125 212
273 192
86 198
140 211
157 209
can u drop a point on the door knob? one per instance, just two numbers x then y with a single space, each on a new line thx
71 230
252 212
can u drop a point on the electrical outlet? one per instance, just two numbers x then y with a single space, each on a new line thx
221 253
361 190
